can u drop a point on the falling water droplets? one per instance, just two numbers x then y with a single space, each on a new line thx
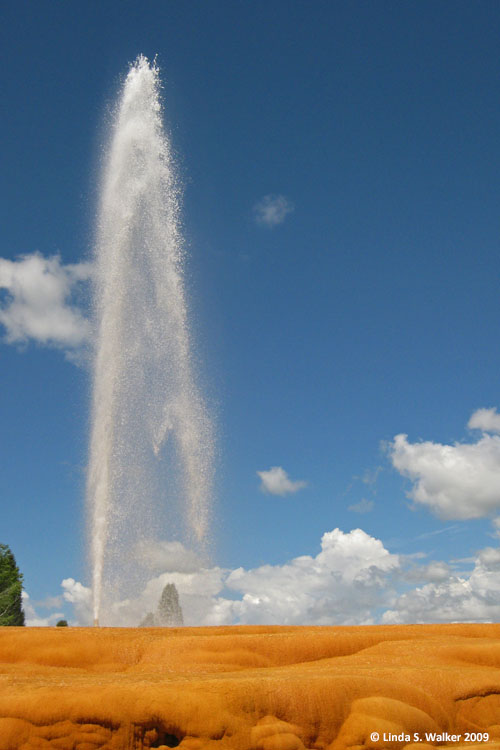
145 396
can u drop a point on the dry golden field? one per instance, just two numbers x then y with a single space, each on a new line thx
250 688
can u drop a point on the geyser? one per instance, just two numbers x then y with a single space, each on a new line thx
144 388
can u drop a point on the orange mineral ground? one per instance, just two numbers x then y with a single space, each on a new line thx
250 688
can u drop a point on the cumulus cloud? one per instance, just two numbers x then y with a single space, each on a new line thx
475 598
80 597
37 304
364 506
275 481
352 580
199 595
272 210
435 571
458 481
487 420
342 584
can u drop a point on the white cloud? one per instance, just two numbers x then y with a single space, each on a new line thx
475 598
38 301
342 584
486 420
198 595
49 602
353 580
364 506
272 210
435 571
33 619
164 556
275 481
456 481
80 597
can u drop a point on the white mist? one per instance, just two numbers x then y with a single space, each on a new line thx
143 386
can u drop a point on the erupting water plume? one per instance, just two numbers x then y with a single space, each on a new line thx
143 387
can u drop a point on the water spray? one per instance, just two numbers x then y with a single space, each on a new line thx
144 390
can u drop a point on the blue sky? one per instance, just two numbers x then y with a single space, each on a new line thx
340 163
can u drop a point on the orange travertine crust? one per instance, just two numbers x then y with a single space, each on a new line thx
249 688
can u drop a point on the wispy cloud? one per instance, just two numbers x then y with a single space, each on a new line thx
458 481
276 481
38 302
33 618
364 506
428 534
272 210
369 478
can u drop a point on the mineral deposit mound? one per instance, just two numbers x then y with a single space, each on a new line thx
250 688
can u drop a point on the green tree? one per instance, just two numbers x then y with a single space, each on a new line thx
11 586
62 624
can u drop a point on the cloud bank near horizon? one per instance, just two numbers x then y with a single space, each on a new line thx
353 580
